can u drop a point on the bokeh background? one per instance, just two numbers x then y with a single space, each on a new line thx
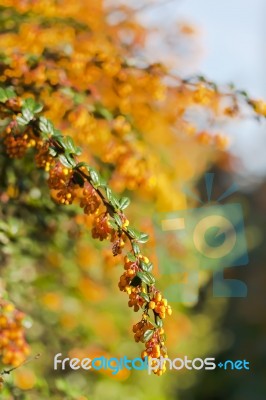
67 284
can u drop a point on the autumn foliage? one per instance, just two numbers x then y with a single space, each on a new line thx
88 122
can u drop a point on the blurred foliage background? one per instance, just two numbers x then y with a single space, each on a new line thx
148 132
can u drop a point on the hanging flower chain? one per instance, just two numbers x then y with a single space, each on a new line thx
58 155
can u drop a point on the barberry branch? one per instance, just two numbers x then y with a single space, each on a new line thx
58 155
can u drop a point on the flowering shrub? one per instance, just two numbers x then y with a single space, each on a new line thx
126 130
14 348
72 180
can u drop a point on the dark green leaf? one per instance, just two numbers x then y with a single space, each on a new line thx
136 281
59 139
146 277
77 178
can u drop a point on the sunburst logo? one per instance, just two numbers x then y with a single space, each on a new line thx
209 237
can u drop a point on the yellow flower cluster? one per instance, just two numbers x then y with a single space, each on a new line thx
13 346
120 113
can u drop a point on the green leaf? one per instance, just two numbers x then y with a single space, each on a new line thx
27 114
102 182
131 257
112 224
57 134
69 145
146 267
59 139
243 93
118 220
46 127
78 151
22 121
70 160
115 201
139 236
109 194
94 176
112 198
10 93
52 152
29 108
151 277
148 335
6 94
3 96
145 297
31 105
132 232
82 164
124 203
142 237
136 247
65 161
159 322
146 277
103 112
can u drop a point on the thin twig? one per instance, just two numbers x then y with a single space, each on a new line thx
7 371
